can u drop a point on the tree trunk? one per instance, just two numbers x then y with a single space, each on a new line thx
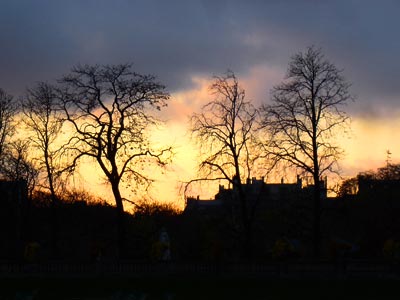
121 231
317 185
54 204
54 229
317 218
247 250
54 219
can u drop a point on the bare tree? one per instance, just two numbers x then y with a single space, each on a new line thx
108 107
44 121
8 109
305 115
224 133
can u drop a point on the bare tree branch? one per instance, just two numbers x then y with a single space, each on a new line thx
44 121
8 109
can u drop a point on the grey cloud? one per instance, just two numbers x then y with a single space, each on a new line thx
40 40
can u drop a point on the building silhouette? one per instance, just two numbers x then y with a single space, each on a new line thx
259 194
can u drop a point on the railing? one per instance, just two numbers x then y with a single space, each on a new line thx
348 269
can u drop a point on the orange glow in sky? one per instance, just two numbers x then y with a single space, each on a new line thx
365 146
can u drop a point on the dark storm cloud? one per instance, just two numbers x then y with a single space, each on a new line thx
40 40
44 38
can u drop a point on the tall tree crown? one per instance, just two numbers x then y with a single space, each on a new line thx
108 109
306 111
224 131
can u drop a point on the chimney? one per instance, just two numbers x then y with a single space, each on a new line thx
299 181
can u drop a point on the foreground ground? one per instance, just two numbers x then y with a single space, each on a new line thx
204 288
295 280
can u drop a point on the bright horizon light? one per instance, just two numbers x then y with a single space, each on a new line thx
365 147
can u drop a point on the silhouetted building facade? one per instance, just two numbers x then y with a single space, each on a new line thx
258 193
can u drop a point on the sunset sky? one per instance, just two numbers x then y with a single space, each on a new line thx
184 43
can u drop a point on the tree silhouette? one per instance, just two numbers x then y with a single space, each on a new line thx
109 110
8 109
305 114
348 187
16 164
44 120
224 133
389 172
